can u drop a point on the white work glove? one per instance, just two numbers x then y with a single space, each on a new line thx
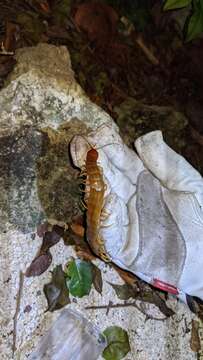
154 202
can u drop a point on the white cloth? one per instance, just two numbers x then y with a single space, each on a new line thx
155 202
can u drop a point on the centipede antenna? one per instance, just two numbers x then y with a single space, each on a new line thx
102 146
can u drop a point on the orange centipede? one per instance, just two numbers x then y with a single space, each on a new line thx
94 198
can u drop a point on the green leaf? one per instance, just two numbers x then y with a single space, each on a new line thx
79 277
118 343
176 4
56 291
195 24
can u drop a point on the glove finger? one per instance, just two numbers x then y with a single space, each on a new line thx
79 147
108 139
120 231
174 172
120 184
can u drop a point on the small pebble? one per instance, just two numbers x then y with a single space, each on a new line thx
27 309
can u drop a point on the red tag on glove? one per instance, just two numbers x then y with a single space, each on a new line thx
165 286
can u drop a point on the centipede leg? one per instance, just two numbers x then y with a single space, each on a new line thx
83 182
104 215
106 226
82 191
82 174
83 204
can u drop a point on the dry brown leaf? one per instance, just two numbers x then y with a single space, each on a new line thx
44 6
77 229
98 20
9 42
42 228
127 277
195 340
43 259
39 265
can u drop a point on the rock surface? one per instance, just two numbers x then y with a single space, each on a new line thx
41 108
136 119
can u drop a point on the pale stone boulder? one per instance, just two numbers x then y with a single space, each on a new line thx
41 108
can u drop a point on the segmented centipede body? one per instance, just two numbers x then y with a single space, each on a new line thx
95 189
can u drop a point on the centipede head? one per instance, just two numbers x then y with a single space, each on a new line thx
92 155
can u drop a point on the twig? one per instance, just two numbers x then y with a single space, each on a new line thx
4 51
150 56
18 300
125 304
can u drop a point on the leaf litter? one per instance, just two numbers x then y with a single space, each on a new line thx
56 291
79 277
117 343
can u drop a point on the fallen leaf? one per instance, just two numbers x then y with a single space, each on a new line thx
10 37
128 277
42 228
98 20
39 265
118 343
44 5
125 291
56 291
70 238
60 230
152 296
97 278
82 248
146 293
79 277
195 340
83 251
78 229
50 239
44 258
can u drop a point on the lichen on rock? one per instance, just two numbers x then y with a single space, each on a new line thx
136 119
36 172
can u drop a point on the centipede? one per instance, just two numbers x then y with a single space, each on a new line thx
94 199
